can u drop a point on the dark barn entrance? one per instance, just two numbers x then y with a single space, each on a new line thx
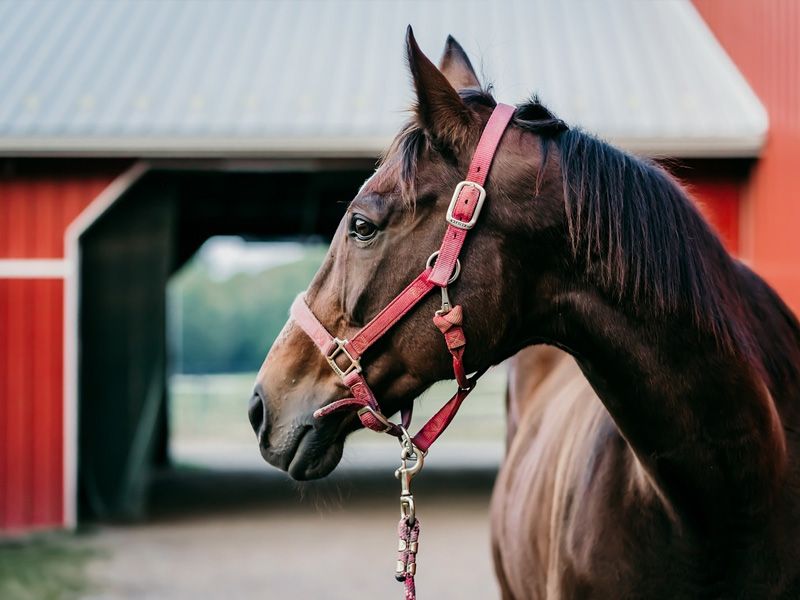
126 258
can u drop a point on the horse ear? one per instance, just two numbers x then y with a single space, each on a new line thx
439 108
456 67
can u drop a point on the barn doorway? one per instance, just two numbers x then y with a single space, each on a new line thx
126 258
225 307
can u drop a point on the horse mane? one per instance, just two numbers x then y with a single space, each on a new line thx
641 238
629 222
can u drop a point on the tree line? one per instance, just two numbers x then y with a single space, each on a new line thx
227 326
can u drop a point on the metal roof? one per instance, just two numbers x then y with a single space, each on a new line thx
327 78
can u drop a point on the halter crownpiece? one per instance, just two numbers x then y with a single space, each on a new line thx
344 356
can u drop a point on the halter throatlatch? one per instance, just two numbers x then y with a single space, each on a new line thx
344 356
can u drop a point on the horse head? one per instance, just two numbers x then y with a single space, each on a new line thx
391 228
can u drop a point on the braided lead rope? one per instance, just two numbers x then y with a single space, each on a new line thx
407 556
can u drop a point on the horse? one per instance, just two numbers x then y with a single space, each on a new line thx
653 424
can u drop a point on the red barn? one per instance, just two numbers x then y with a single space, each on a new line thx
131 132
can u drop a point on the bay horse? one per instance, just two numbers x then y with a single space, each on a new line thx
670 471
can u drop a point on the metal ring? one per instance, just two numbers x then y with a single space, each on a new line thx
406 443
456 272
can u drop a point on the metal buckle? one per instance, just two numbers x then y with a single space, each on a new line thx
355 363
378 415
477 211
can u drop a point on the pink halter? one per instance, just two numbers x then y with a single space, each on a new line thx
462 215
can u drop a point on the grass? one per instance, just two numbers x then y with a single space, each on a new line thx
51 567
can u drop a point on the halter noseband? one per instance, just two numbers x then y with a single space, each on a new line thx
462 215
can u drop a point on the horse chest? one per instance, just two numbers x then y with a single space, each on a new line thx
573 515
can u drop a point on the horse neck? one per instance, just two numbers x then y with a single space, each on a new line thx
702 414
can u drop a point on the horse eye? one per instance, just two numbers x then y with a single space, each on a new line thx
362 229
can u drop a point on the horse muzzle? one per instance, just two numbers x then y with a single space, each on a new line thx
300 445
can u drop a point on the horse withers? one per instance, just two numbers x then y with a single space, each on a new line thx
669 471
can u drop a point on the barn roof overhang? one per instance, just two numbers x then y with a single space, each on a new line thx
310 79
323 148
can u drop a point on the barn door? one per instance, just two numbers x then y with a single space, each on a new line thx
125 260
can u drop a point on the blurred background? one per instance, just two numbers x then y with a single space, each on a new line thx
171 173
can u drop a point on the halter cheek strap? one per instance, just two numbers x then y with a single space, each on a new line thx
344 356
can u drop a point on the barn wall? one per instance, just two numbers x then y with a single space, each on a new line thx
719 201
718 187
31 392
34 212
763 38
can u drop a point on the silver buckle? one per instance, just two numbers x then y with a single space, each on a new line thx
481 197
378 415
355 363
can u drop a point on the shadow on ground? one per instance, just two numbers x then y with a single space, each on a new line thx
197 492
257 534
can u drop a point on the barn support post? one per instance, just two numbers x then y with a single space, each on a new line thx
71 348
127 257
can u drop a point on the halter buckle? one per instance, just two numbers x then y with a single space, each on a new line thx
475 212
355 363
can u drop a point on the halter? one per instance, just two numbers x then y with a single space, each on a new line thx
344 356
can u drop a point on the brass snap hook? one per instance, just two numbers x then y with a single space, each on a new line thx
412 460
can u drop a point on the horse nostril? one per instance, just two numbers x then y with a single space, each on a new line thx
255 411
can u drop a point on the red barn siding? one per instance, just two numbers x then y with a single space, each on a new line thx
31 403
35 212
719 201
763 39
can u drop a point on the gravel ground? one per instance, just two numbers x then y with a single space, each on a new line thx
227 535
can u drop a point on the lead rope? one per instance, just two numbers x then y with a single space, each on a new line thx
411 462
407 556
449 321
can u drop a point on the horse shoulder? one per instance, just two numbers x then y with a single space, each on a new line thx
568 481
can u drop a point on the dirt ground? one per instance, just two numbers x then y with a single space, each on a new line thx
236 528
240 535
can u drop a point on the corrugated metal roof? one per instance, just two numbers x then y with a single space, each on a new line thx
322 78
